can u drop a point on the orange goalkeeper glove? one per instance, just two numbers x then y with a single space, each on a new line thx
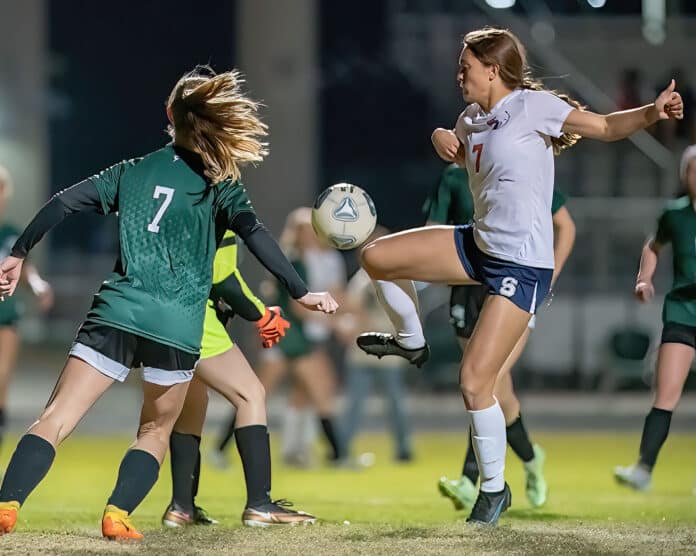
271 326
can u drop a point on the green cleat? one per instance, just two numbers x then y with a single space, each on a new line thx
536 487
461 491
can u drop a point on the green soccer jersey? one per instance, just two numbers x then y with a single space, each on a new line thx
677 226
9 311
451 201
167 215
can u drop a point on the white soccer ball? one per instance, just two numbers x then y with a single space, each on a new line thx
344 215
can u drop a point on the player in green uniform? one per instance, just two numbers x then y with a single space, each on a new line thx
10 311
173 206
451 203
224 368
677 225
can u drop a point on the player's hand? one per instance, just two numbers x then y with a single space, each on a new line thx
669 103
321 301
446 144
644 291
10 271
271 326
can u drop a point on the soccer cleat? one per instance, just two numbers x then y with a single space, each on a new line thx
175 516
117 526
635 476
489 506
8 516
535 484
381 344
201 517
277 512
461 491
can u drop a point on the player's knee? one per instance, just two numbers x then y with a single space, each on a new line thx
156 431
370 260
474 381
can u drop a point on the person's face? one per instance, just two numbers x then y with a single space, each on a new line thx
306 238
474 77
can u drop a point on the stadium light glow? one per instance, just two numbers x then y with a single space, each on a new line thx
597 3
500 4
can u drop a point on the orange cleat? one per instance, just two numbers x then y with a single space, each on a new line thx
117 526
8 516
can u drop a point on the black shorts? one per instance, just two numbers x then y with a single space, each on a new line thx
675 333
465 305
114 352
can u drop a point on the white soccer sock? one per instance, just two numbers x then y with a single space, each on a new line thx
490 442
400 301
308 430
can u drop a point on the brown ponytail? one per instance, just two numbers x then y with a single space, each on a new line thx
210 112
500 47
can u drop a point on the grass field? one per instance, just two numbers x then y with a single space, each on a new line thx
392 509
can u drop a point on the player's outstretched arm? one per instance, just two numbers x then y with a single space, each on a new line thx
563 239
78 198
619 125
265 248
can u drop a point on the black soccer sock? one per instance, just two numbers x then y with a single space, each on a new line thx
184 453
331 438
136 477
227 434
470 469
655 431
518 439
196 476
255 452
30 462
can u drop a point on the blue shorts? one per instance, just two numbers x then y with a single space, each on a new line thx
525 286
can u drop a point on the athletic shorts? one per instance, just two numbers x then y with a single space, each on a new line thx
525 286
466 303
675 333
114 352
215 340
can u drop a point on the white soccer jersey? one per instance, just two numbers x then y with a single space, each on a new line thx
511 172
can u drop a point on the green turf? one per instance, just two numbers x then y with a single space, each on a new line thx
391 508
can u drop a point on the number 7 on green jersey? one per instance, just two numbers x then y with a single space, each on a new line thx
168 193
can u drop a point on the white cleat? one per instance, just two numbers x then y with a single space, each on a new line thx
635 476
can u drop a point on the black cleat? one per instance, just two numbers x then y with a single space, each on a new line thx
489 506
381 344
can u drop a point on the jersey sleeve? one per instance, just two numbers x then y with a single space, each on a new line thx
232 199
436 207
558 201
663 234
107 184
546 112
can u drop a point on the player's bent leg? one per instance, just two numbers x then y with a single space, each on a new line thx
673 365
426 254
244 390
80 385
184 450
499 328
140 466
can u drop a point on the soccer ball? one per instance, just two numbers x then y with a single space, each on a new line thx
344 215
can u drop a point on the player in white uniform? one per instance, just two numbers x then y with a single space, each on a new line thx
506 138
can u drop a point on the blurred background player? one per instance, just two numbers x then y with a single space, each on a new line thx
362 311
676 226
451 203
303 353
224 368
10 310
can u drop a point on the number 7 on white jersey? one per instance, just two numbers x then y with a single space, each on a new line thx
168 193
